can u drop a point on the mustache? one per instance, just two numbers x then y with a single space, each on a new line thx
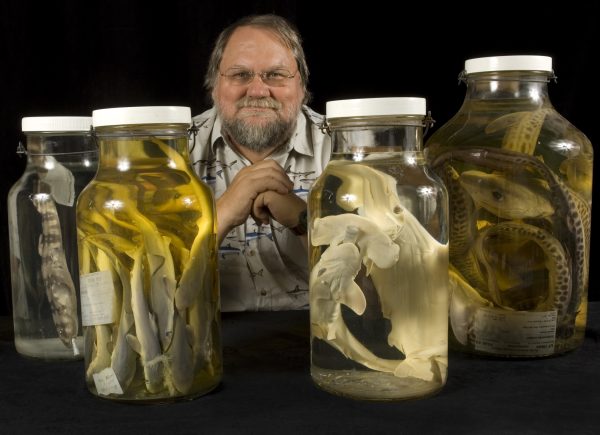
262 103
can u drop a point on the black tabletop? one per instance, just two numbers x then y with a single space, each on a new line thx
267 389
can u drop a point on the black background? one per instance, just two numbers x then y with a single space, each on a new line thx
71 57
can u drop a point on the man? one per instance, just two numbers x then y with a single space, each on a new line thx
260 148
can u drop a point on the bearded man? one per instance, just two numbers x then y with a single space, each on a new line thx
260 148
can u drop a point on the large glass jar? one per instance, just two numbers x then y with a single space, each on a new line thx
147 258
519 176
378 256
61 160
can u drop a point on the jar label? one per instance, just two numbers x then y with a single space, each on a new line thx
106 382
97 298
514 333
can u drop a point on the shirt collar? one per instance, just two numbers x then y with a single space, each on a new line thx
216 137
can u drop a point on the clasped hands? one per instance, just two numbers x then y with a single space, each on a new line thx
262 190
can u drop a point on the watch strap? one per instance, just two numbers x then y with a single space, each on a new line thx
302 227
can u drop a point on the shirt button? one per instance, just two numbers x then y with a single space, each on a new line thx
263 292
251 252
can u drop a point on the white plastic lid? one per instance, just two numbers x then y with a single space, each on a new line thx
56 123
375 107
508 63
142 115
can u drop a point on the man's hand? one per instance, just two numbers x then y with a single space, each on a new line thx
235 205
285 209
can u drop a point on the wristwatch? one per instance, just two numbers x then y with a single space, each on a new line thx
301 228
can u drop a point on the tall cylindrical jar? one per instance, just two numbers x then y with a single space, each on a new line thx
147 258
378 256
61 160
519 176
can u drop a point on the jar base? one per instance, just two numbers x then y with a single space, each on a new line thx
48 348
376 386
144 398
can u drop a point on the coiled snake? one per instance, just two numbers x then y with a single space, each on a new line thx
567 266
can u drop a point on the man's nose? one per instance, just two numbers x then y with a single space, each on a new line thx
258 88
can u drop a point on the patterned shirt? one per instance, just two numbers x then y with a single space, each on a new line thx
262 267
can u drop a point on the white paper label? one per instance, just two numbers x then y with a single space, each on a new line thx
106 382
514 333
97 297
76 351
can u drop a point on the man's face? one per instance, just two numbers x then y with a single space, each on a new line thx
256 115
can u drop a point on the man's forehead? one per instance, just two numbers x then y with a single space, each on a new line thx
254 37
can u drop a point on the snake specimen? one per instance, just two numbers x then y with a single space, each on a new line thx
570 222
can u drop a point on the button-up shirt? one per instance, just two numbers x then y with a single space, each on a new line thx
262 267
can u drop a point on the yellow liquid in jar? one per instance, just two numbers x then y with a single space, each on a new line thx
150 223
368 351
520 185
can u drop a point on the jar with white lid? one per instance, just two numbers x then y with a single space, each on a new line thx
61 160
378 256
148 264
519 176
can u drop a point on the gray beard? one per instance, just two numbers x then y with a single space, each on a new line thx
259 138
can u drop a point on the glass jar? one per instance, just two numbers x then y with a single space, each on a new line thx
519 176
378 256
61 160
147 258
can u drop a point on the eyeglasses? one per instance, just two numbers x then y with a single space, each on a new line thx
242 77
